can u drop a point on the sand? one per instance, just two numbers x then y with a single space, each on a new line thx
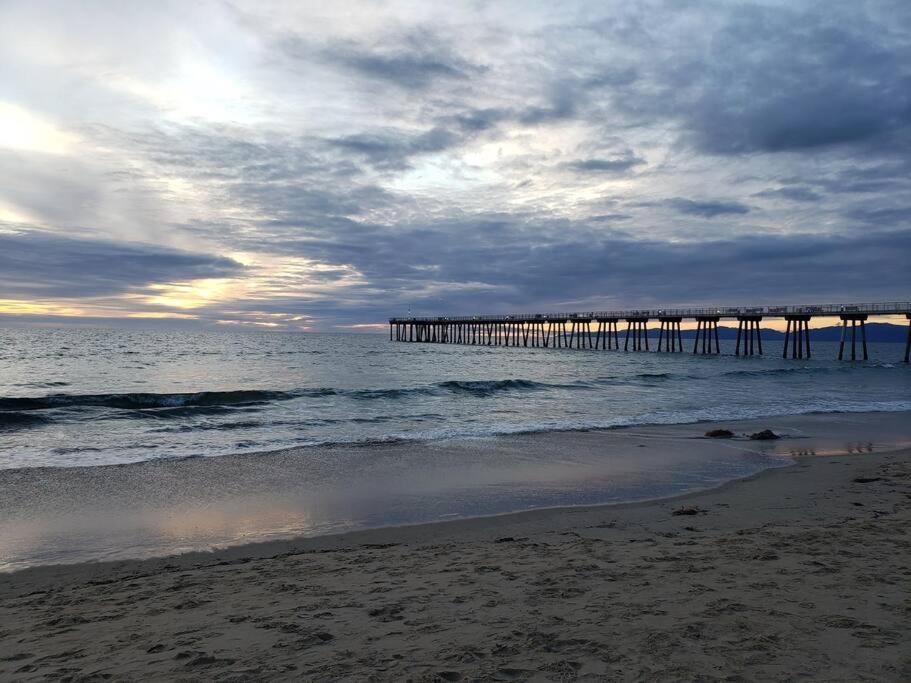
798 572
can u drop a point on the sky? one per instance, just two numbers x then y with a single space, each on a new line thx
325 166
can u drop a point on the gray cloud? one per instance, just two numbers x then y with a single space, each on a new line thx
43 265
707 208
392 149
563 104
413 59
413 69
476 120
795 193
885 216
613 165
452 266
776 79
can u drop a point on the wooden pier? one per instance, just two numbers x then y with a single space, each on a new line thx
574 330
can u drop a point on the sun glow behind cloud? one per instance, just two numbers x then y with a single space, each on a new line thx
23 130
12 214
189 295
199 90
266 279
15 307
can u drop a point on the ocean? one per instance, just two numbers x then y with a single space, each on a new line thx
120 444
77 397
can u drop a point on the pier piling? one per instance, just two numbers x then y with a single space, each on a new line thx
669 334
748 331
637 328
798 333
608 333
854 319
706 332
908 343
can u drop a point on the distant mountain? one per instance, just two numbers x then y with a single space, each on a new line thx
876 332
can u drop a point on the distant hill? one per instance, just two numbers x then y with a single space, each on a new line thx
876 332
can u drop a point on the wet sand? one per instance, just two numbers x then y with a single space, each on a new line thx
797 572
172 506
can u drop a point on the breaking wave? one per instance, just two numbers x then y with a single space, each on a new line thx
141 401
10 421
252 397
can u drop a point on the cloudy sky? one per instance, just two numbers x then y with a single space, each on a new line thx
316 165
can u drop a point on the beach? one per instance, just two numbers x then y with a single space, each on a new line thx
477 341
799 571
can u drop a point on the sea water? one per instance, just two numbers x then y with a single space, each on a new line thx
77 396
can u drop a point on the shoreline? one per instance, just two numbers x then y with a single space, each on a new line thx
797 570
194 505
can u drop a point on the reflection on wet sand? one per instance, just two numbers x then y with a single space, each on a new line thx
850 448
167 507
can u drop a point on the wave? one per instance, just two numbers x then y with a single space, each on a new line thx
179 412
147 405
162 405
371 394
42 385
10 421
490 387
141 401
772 372
686 417
218 426
630 379
471 387
802 370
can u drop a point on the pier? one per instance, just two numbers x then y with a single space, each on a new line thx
574 330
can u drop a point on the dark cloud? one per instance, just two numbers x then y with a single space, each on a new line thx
883 216
476 120
484 265
784 78
412 70
612 165
412 60
890 178
564 100
707 208
43 265
392 149
793 193
292 184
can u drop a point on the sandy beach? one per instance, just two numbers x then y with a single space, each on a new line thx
798 572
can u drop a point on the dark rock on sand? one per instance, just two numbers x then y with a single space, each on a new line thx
687 511
764 435
719 434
